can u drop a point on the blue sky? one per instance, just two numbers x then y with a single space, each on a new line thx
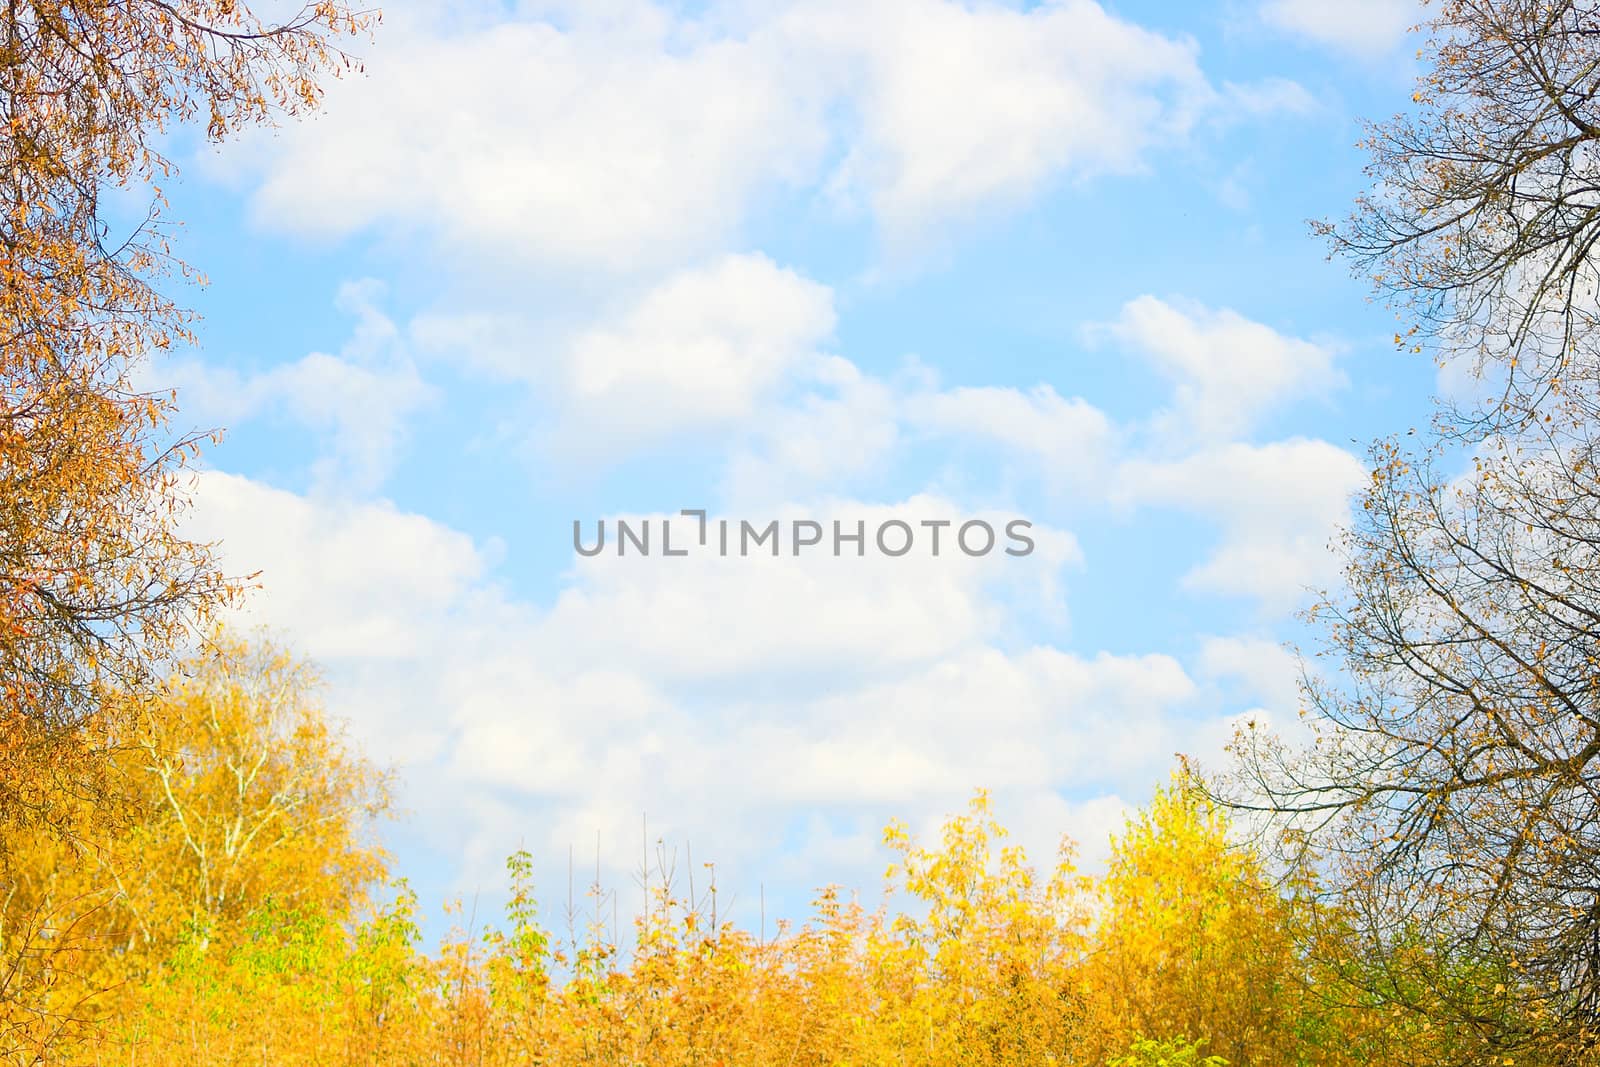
814 259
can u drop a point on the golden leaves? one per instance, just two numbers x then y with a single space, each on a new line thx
95 581
228 793
988 964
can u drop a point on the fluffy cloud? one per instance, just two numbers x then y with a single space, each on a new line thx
1364 27
707 616
359 400
845 427
1277 505
1071 438
702 348
848 425
342 577
629 137
672 686
735 346
964 106
608 144
1226 371
1267 670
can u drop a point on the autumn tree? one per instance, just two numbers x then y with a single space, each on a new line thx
1452 791
247 809
986 972
1182 953
1196 942
96 582
251 792
1454 784
1484 210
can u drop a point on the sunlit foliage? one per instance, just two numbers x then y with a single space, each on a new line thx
97 584
243 915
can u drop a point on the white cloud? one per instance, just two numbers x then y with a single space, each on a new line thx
706 616
1277 505
498 346
849 425
961 107
1227 371
1270 96
703 346
1269 672
612 144
726 698
359 399
1071 438
342 577
628 137
735 347
1364 27
846 426
987 717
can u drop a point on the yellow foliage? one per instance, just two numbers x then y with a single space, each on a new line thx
235 794
240 914
1192 939
96 582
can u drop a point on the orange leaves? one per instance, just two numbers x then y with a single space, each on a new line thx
226 800
1192 940
989 965
88 499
